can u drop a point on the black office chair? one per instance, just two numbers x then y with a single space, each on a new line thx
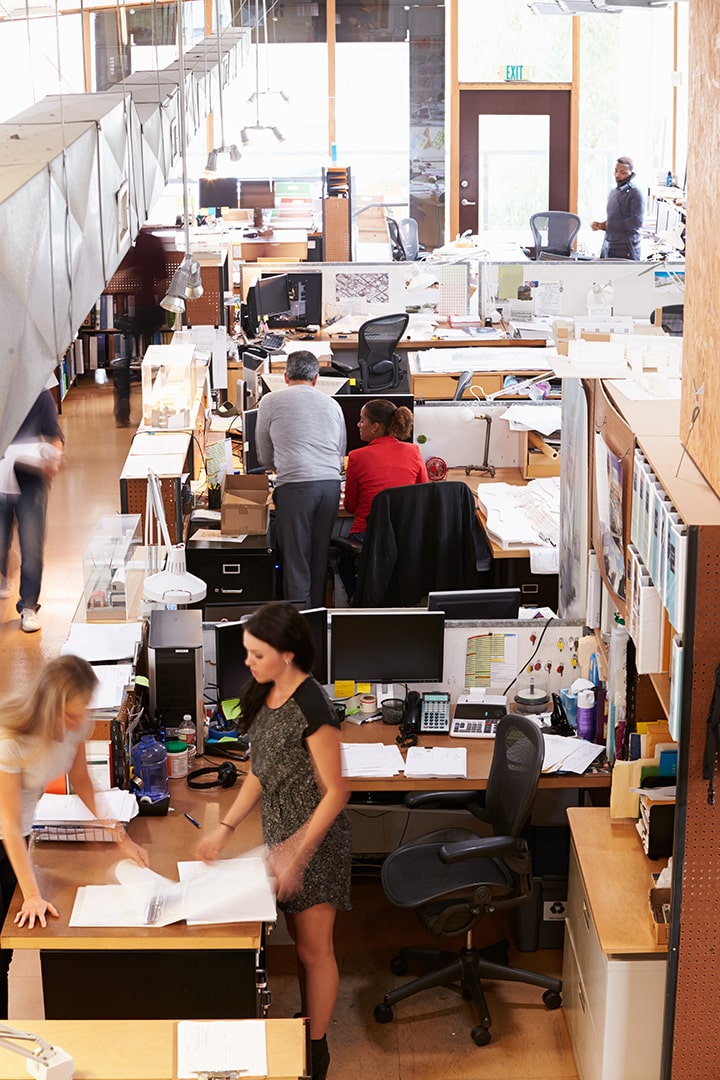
553 233
420 538
455 877
378 362
672 319
410 238
397 248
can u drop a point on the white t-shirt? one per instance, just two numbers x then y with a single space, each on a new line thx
38 763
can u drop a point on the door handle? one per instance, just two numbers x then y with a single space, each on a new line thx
466 202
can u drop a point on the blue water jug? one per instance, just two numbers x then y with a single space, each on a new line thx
150 761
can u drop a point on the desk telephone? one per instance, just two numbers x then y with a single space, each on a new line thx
426 714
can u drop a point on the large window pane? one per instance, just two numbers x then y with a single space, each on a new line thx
30 67
495 33
517 147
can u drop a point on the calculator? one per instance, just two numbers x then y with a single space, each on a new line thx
473 729
435 714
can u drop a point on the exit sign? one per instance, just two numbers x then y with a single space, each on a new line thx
516 72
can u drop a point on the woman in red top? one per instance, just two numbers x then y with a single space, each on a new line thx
385 462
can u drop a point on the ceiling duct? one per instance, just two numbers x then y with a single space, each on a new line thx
79 174
594 7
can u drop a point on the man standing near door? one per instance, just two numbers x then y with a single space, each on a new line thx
301 434
624 217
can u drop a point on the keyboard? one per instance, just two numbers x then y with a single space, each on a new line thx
272 342
473 729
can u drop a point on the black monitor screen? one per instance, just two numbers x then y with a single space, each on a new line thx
251 324
232 672
387 646
222 191
305 291
251 461
272 296
476 603
351 404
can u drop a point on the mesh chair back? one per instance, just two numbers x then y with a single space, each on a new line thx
410 239
554 232
514 774
672 319
380 336
397 247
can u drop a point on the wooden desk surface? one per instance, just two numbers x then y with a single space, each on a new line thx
144 1049
479 757
616 873
62 867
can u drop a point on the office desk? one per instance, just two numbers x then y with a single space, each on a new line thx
290 245
168 972
479 756
145 1049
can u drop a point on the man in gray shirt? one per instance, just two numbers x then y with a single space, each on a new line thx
301 435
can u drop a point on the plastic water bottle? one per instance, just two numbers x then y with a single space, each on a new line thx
669 180
150 761
586 714
617 686
186 732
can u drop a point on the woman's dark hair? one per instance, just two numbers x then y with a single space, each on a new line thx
396 421
281 626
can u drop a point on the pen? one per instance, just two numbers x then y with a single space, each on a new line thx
192 820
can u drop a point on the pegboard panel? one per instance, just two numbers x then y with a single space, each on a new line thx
133 495
696 1033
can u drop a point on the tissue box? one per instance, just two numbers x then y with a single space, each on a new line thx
245 504
660 926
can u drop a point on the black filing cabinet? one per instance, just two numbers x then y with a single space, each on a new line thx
243 573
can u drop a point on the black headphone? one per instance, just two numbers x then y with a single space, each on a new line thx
225 776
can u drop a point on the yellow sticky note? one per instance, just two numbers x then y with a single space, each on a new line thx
510 278
364 688
230 708
344 688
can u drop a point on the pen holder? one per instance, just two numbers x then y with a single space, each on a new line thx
214 498
393 710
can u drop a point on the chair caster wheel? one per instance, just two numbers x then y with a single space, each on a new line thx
480 1036
399 965
383 1013
551 999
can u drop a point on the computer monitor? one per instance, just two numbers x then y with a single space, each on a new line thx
219 192
251 461
233 674
272 295
476 603
387 646
351 404
251 317
305 291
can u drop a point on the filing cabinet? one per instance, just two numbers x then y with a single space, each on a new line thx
234 573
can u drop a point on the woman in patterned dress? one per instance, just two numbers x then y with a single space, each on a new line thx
296 776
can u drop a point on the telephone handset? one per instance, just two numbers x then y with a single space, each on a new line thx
425 714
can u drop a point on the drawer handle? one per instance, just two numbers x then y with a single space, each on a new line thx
586 914
230 592
231 568
581 999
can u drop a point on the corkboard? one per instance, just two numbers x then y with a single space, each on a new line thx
702 296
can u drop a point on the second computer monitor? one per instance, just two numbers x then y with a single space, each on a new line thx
476 604
351 404
305 292
387 646
272 296
251 461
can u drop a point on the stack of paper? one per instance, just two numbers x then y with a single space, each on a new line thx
66 817
103 643
220 1047
426 762
371 759
568 755
522 516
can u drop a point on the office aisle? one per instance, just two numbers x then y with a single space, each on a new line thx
430 1037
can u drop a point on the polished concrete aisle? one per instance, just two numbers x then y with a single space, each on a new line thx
430 1037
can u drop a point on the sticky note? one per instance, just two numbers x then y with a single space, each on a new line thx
343 688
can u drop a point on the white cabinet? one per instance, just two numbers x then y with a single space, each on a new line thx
613 1003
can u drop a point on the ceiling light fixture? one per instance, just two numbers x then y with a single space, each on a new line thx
258 93
189 269
231 150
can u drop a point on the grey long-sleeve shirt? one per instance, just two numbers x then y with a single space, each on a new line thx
301 434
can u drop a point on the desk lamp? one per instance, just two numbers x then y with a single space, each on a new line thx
45 1062
173 586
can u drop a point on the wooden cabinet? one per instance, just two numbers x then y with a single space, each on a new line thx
613 972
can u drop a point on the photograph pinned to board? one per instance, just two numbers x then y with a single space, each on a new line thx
609 489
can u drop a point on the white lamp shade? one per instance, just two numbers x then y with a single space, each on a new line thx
174 585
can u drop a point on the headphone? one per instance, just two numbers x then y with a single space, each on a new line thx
225 776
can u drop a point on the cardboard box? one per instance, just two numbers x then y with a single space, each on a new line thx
660 926
245 505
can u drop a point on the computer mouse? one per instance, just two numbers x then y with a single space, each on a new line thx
307 337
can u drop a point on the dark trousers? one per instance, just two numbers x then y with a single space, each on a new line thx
347 567
28 510
8 881
304 517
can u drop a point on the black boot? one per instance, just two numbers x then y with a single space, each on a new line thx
320 1058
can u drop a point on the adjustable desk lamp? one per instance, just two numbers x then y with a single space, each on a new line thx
45 1062
467 414
173 586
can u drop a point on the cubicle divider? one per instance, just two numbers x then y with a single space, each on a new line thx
455 432
638 287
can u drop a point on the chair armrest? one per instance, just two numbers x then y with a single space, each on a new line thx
455 799
483 847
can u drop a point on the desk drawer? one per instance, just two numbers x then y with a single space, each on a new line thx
591 960
234 576
581 1028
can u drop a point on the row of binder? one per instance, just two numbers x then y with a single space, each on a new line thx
660 539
